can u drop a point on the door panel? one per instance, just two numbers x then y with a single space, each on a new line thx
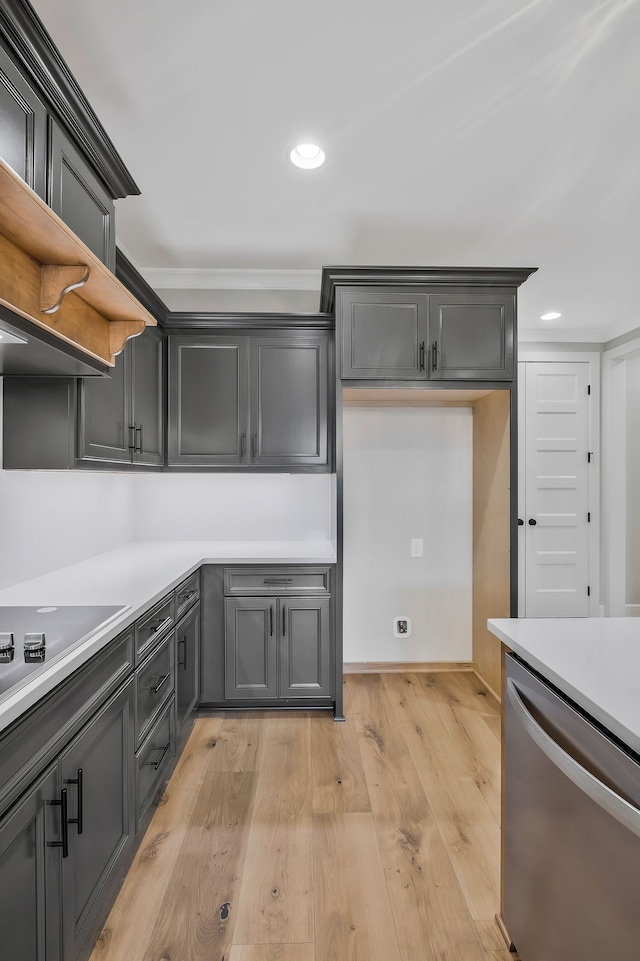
23 126
187 664
288 402
384 335
305 649
471 335
148 399
208 406
104 753
104 414
556 490
250 647
30 905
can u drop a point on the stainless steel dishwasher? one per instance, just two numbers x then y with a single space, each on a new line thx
571 849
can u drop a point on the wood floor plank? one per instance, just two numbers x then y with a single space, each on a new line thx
339 784
196 919
353 918
472 692
469 830
133 917
273 952
494 724
474 740
276 901
238 744
426 902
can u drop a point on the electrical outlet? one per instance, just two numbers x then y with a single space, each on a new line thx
401 626
417 547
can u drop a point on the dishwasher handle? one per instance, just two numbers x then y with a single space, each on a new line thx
617 807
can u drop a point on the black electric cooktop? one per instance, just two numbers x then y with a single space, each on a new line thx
31 637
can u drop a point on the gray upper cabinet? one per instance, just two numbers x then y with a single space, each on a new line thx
104 414
384 334
23 126
30 906
120 418
208 401
471 335
77 195
147 398
248 401
288 402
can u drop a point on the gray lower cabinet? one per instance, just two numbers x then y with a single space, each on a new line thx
97 770
248 401
23 126
187 665
79 198
277 648
31 903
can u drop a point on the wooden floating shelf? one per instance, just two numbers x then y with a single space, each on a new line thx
48 276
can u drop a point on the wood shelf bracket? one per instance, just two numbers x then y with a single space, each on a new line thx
56 282
120 331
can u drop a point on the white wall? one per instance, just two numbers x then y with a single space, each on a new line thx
49 519
230 507
408 472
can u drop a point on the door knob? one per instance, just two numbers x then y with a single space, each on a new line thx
533 521
520 522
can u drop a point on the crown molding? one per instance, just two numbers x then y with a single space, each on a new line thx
220 278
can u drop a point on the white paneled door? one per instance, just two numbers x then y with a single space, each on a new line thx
554 489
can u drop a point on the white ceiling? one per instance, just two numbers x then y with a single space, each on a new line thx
492 133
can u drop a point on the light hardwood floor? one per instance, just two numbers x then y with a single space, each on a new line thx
288 837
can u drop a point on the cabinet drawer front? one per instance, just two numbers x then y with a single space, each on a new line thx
187 594
268 581
155 681
34 739
153 626
153 759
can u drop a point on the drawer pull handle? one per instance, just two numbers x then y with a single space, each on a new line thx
183 641
162 625
161 682
186 596
156 764
80 783
278 580
138 447
64 823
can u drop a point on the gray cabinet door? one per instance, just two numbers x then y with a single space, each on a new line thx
98 771
305 661
208 401
383 334
79 198
104 414
251 639
471 335
187 665
147 407
289 401
23 126
30 905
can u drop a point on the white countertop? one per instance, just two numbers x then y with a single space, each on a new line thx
136 575
594 661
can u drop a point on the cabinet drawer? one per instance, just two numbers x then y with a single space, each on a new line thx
151 627
155 681
153 759
279 580
186 594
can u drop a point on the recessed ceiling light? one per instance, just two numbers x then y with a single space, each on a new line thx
551 315
307 155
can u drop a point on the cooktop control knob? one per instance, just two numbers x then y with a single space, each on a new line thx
34 647
6 647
